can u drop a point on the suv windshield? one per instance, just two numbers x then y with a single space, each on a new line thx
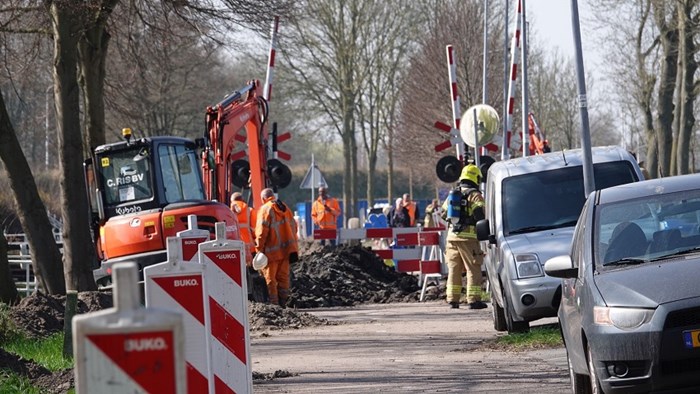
126 175
552 199
648 229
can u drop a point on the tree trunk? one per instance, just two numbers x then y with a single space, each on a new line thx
93 53
78 250
667 83
688 66
46 258
8 289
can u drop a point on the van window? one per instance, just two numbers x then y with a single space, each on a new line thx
552 199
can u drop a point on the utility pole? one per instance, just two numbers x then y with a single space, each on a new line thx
588 181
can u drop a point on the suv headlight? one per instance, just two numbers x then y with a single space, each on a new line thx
622 318
528 266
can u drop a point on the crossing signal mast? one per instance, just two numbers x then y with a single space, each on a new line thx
479 120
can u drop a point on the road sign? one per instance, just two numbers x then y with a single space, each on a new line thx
313 178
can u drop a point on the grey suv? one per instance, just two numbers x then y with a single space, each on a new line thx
532 205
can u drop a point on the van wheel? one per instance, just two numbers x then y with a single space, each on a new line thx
499 317
513 326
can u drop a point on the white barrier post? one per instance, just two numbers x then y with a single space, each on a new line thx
225 268
191 238
179 286
128 348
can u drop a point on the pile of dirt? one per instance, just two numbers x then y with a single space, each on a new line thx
41 315
264 316
347 275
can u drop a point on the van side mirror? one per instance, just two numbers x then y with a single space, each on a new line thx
561 267
483 231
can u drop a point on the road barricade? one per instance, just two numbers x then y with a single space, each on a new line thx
414 249
227 296
178 285
128 348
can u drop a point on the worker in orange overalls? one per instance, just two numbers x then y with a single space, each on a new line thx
275 236
325 211
246 218
412 209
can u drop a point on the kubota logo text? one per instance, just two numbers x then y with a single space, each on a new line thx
126 210
145 344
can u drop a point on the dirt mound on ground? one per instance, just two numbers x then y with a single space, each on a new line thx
48 382
347 275
41 315
264 316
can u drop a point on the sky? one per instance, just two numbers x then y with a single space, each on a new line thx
552 21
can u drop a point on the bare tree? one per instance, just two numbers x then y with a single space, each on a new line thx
46 258
8 289
384 58
665 19
633 73
323 51
688 16
425 93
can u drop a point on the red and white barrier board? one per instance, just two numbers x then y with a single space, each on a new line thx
128 348
191 238
179 286
227 293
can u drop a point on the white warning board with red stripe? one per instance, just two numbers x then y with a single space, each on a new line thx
179 286
224 263
128 348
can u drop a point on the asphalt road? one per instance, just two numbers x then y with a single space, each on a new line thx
403 348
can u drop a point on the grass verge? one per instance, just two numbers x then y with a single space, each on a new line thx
11 383
541 337
47 352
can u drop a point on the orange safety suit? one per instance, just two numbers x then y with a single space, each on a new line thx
275 235
324 213
411 208
246 218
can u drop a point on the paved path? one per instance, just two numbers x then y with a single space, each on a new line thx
403 348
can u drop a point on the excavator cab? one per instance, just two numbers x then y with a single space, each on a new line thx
142 192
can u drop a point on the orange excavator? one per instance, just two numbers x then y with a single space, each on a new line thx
142 190
538 142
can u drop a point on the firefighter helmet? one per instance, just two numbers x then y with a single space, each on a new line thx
471 173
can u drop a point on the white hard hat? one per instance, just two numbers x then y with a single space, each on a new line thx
259 261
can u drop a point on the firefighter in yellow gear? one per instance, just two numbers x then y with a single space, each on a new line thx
463 250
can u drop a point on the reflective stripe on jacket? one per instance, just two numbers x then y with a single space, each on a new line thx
275 230
323 218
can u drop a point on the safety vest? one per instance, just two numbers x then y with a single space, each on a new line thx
275 232
411 208
474 200
246 219
323 218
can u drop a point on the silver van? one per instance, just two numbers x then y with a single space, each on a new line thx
532 205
